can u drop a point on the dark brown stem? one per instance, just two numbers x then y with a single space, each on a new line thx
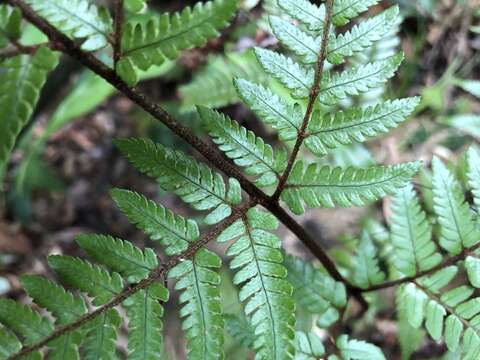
20 49
447 262
155 275
118 31
314 91
211 154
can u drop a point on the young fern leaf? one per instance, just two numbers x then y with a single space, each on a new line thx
194 182
411 234
366 270
325 186
457 228
332 130
264 289
315 291
203 322
240 329
361 36
10 25
358 350
150 40
243 147
308 346
344 10
79 19
174 232
271 108
311 15
21 80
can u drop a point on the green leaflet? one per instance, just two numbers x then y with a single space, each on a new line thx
89 278
198 282
411 234
333 130
457 229
101 337
240 329
9 343
325 186
145 323
10 24
473 173
361 36
151 39
264 289
357 79
21 79
213 86
194 182
344 10
243 147
315 291
309 14
119 255
308 346
295 77
358 350
77 18
271 108
366 270
174 232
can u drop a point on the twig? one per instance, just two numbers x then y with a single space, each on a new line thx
154 276
314 91
209 153
118 31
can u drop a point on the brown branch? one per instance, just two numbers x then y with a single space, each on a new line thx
447 262
209 153
313 95
118 31
20 49
154 276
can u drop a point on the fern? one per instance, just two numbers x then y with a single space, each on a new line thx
79 19
149 40
21 79
10 24
366 270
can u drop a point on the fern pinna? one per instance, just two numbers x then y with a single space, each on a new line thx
305 101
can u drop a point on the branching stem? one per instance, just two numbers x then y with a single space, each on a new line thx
118 31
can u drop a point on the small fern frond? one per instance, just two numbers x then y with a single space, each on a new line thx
411 234
344 10
357 79
352 349
119 255
240 329
145 322
194 182
243 147
271 108
308 346
292 75
315 291
457 228
89 278
264 288
361 36
150 40
21 80
79 19
473 174
366 270
311 15
9 344
198 282
213 85
173 231
325 186
333 130
101 336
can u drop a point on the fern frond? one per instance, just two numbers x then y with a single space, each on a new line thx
325 186
145 322
315 291
9 343
473 174
243 147
264 288
150 40
299 42
361 36
240 329
194 182
79 19
358 350
366 270
203 321
457 228
271 108
357 79
294 76
311 15
119 255
213 86
344 10
333 130
308 346
101 336
87 277
174 232
411 234
21 80
10 25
